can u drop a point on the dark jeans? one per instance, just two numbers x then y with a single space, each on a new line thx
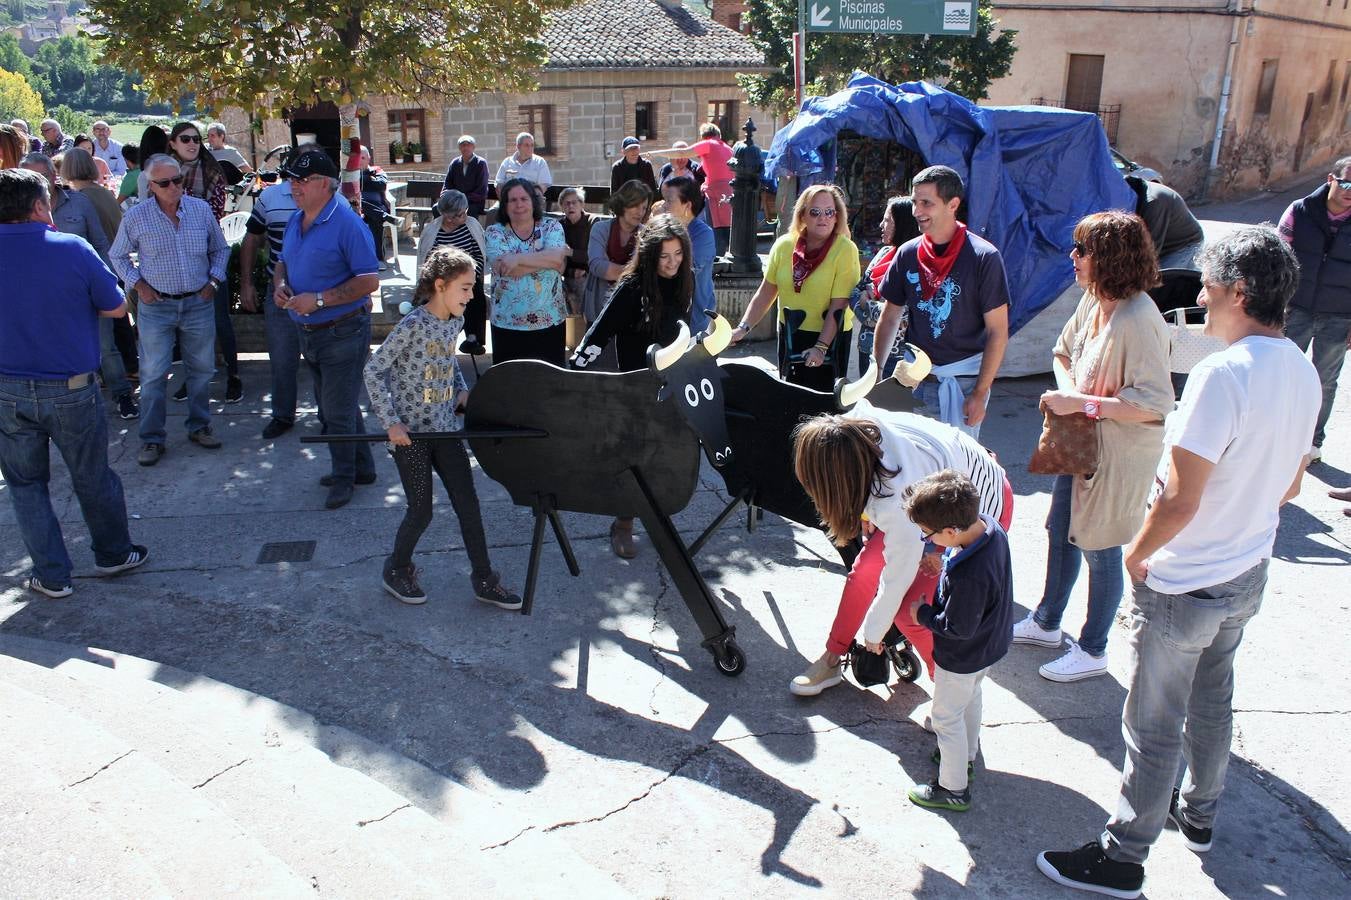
1328 334
336 357
476 314
283 353
34 414
225 333
111 364
451 462
375 221
544 344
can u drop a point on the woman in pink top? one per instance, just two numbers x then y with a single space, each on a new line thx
713 155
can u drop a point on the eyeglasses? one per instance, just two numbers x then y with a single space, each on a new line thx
925 535
189 138
827 213
165 182
1080 249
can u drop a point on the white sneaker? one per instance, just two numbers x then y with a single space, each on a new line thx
820 676
1029 632
1075 665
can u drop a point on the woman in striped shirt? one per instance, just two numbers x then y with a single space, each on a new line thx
456 229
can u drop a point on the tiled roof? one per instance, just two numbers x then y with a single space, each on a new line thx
607 34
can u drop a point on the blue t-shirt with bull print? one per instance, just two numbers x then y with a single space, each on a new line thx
950 325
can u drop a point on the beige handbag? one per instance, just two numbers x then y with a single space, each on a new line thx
1190 345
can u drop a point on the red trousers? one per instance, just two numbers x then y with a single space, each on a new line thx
860 587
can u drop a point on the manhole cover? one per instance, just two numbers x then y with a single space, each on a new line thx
286 551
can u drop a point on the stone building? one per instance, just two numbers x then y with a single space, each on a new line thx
650 68
1156 72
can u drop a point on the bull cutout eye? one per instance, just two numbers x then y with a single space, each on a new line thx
691 395
706 387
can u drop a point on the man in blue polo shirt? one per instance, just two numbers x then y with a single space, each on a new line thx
324 279
54 291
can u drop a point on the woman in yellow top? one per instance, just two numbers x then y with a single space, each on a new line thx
812 270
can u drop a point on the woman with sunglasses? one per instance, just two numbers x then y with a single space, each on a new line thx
1110 364
203 177
812 271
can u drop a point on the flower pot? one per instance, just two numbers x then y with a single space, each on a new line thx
417 157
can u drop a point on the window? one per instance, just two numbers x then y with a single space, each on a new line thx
408 126
1266 87
645 121
539 121
1083 83
723 114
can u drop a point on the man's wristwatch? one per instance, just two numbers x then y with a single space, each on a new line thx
215 283
319 300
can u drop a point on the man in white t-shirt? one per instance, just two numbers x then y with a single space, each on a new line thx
1234 452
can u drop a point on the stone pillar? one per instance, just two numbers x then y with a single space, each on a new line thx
749 164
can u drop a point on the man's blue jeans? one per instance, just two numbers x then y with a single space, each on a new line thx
283 353
32 415
192 322
336 357
1106 583
110 362
1328 334
1179 706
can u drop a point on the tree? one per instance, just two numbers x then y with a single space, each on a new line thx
18 100
12 58
964 65
72 121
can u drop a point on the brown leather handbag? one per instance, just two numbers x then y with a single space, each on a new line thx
1068 445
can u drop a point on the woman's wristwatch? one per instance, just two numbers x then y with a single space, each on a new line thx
742 326
1092 408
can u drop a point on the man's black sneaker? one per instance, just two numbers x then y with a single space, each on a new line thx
489 590
276 428
1198 840
55 591
402 583
127 408
234 390
331 479
138 555
182 393
937 757
934 796
1090 869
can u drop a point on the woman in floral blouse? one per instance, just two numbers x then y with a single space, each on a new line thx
526 253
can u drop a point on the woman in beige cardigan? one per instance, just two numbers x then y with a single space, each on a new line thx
1111 363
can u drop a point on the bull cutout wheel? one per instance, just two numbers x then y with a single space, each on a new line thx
905 661
729 659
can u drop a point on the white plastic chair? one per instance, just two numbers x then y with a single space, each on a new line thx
233 227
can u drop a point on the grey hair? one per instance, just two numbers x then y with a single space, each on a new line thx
160 159
1263 262
216 128
523 135
452 203
99 123
19 123
38 158
46 122
579 192
19 190
1340 166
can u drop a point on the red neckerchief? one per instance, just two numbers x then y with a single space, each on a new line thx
934 269
618 253
880 265
805 263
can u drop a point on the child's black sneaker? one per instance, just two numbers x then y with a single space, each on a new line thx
402 583
1090 869
934 796
937 757
490 590
1198 840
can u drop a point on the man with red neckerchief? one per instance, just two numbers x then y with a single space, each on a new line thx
953 284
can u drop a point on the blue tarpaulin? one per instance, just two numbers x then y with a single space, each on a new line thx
1030 172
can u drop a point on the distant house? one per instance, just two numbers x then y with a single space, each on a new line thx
650 68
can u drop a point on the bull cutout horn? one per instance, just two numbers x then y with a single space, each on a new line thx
720 337
911 371
849 393
667 356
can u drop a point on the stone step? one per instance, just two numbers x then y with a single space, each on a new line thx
184 839
351 832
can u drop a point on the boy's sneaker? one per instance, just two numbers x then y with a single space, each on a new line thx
1029 632
934 796
937 757
127 408
402 583
1090 869
1075 665
55 591
489 590
1198 840
136 557
822 674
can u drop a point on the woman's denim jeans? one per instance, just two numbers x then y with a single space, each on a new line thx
1106 583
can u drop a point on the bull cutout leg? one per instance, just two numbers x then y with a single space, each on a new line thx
545 510
727 512
719 637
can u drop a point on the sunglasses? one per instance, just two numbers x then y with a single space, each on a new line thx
1344 185
189 138
1080 249
165 182
827 213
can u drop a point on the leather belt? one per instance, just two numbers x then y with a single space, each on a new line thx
361 308
164 296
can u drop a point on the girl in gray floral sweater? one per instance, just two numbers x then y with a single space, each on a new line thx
415 384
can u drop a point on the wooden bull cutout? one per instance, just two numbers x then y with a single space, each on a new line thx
612 448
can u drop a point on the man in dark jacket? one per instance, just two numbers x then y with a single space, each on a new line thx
1320 312
632 167
468 174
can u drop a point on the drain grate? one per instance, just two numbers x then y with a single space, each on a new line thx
287 551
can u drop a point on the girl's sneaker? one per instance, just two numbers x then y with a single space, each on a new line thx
489 590
402 583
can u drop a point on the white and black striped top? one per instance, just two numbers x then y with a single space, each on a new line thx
271 211
461 239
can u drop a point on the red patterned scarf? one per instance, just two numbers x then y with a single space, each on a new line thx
805 262
934 269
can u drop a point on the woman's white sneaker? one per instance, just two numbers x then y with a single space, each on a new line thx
821 675
1075 665
1029 632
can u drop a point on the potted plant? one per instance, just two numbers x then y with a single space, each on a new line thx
416 149
395 152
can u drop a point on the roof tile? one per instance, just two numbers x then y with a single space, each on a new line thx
605 34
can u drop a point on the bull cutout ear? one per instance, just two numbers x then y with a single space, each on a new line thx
717 340
661 358
848 393
913 366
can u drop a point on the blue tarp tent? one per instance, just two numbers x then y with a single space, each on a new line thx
1030 172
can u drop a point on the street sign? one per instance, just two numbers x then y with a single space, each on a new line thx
942 17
